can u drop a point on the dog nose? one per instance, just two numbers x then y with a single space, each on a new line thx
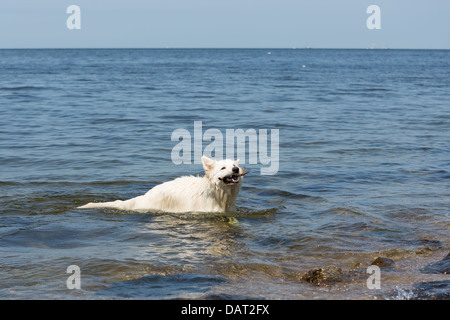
235 170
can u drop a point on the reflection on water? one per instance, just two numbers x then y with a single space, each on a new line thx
189 239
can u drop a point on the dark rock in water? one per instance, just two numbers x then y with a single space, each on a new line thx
325 276
434 290
331 275
383 262
442 266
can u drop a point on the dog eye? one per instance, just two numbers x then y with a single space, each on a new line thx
223 168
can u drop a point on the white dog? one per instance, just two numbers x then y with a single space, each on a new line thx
214 192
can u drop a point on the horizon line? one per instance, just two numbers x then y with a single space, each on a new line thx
218 48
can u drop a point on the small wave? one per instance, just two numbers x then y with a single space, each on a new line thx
347 211
289 86
22 88
376 89
159 286
285 194
230 217
227 296
201 97
9 183
282 193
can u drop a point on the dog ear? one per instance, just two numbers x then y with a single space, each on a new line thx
208 163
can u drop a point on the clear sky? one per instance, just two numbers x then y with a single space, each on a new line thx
225 24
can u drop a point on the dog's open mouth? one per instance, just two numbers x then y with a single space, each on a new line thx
231 179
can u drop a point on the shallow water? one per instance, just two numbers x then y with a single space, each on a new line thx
363 173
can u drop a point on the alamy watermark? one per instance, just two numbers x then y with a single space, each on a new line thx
74 280
235 139
374 280
73 22
374 20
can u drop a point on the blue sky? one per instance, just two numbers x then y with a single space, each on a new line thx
225 24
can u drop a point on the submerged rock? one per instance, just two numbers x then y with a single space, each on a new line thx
442 266
331 275
383 262
324 276
434 290
328 276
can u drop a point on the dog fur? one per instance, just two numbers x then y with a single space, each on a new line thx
214 192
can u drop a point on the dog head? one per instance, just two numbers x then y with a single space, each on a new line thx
226 172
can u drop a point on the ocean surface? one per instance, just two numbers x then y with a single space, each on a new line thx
364 173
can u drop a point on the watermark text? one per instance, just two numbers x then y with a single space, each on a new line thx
235 140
